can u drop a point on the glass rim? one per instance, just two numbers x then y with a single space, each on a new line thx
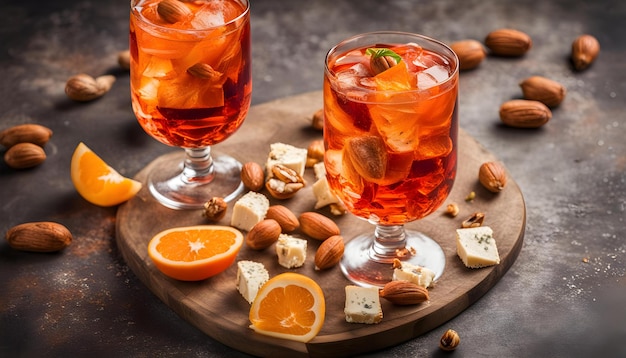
162 28
451 77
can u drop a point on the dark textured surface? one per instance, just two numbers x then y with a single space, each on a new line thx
85 301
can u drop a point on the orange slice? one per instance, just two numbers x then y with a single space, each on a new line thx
289 306
195 253
97 182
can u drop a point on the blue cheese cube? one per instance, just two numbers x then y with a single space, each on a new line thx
477 247
362 305
250 277
404 271
249 210
291 251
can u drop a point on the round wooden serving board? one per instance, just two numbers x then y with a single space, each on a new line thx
215 306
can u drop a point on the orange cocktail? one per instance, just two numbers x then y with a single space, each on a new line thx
191 85
390 131
191 70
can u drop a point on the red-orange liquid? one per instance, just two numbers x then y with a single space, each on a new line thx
413 134
174 105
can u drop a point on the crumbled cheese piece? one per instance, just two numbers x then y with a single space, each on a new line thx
287 155
413 273
362 305
250 277
477 247
249 210
291 251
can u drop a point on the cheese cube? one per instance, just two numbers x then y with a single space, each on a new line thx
287 155
362 305
476 247
249 210
250 277
323 193
291 251
413 273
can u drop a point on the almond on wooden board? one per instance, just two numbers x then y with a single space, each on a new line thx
42 236
318 226
263 234
329 253
404 293
287 220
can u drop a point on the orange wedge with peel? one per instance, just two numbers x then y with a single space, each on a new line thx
97 182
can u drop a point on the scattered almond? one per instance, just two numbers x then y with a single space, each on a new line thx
317 121
470 53
318 226
24 155
508 42
287 220
252 176
585 49
329 253
123 59
43 236
523 113
263 234
83 88
475 220
544 90
492 176
404 293
25 133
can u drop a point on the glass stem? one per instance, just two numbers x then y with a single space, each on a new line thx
198 166
389 239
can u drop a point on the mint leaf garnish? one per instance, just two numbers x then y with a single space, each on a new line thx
381 52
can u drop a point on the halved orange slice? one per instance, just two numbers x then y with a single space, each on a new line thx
97 182
194 253
289 306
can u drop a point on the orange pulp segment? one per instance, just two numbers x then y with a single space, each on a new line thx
195 253
97 182
396 78
289 306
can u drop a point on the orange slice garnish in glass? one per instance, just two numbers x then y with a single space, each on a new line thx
97 182
195 253
289 306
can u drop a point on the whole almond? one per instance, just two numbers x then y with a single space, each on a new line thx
204 71
173 11
287 220
544 90
508 42
24 155
43 236
252 176
318 226
523 113
29 133
470 53
83 87
492 176
263 234
585 49
404 293
368 154
329 253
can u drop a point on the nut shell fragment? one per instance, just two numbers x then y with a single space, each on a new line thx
449 340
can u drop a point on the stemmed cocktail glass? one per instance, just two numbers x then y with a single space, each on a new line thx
191 88
390 131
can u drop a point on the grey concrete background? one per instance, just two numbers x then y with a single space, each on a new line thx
572 173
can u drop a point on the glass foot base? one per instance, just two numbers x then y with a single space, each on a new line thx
361 266
173 190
